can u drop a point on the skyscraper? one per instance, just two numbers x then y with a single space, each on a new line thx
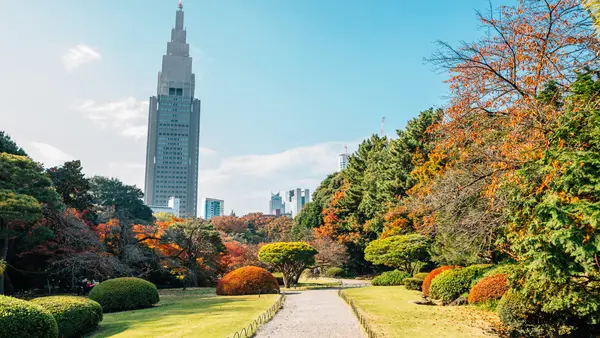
213 207
295 200
342 161
174 128
276 205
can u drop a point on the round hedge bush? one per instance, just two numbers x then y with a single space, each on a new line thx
434 273
126 293
523 318
247 280
413 283
390 278
488 289
22 319
451 284
75 316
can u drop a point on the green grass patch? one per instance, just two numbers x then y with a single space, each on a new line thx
391 314
195 312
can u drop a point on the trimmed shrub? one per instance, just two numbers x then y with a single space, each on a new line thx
451 284
503 269
247 280
488 289
334 272
434 273
126 293
389 278
421 275
413 283
523 318
75 316
22 319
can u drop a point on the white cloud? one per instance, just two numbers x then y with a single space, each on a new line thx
79 55
245 181
207 151
127 116
50 155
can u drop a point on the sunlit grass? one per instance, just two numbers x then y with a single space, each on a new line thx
392 314
192 313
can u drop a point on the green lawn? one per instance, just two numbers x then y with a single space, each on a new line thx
391 314
191 313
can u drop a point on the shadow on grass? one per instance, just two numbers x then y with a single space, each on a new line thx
168 311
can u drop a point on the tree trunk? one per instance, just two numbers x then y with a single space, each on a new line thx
286 281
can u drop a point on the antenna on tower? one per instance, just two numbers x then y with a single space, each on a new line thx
382 126
180 5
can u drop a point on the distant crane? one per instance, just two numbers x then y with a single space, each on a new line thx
382 126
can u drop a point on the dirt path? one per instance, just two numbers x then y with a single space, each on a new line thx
312 314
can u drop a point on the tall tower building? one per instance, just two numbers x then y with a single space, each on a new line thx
174 128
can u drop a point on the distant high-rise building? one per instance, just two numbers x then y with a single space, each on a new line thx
174 128
173 207
295 199
213 207
342 161
276 205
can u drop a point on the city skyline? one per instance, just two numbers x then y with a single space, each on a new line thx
257 70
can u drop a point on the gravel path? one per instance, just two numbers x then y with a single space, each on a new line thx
312 314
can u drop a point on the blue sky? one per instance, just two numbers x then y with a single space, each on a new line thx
284 84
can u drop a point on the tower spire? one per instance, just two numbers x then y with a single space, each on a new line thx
180 6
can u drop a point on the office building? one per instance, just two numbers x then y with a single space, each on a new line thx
342 161
295 200
213 207
276 205
173 207
174 128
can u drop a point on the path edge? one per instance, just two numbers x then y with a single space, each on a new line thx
251 329
362 319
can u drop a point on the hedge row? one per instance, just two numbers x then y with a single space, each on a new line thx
23 319
434 273
75 316
390 278
452 283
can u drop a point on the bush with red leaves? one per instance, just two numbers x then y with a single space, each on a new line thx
434 273
489 288
247 280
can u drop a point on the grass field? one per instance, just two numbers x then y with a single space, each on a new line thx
391 314
191 313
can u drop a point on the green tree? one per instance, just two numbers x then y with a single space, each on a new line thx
404 252
70 182
7 145
289 258
200 248
116 200
24 191
555 215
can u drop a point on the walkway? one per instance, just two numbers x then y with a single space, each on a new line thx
312 314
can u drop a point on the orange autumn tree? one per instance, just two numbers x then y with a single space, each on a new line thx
494 122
